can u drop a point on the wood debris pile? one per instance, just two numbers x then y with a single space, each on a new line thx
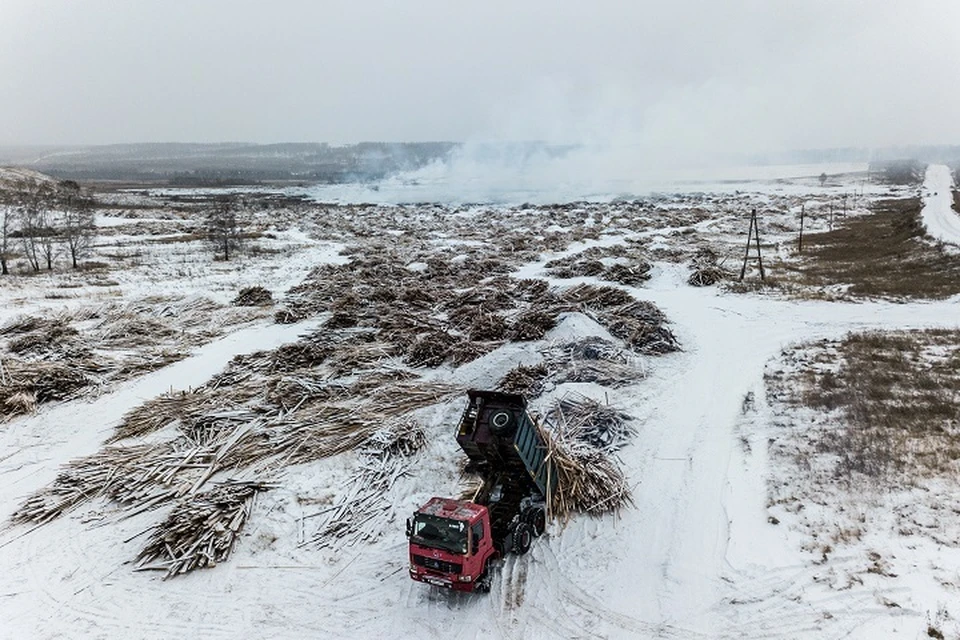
385 456
598 425
593 360
201 530
81 480
588 480
139 477
597 297
533 324
83 350
705 269
436 313
641 326
253 297
619 263
525 380
25 384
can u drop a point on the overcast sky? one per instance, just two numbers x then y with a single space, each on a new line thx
738 74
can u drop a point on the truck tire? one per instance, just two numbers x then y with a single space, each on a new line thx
537 519
502 422
522 538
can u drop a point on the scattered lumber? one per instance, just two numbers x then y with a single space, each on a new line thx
201 530
385 456
588 480
587 420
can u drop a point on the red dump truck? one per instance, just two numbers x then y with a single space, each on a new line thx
453 542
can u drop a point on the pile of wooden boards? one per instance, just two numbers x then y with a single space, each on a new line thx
601 426
589 480
201 530
384 457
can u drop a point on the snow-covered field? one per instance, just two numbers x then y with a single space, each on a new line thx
701 553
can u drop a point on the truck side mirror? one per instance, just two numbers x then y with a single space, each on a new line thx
409 527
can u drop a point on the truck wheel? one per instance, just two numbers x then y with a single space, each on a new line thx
501 422
538 521
522 538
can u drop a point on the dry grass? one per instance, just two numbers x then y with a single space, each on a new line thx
896 394
886 254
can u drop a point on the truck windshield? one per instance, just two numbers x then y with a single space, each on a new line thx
440 533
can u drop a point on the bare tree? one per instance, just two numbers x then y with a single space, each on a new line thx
46 235
223 226
7 210
31 206
79 228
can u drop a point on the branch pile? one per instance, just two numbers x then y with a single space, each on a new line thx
253 297
705 270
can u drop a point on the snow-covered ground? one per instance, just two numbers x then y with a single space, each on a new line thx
939 217
694 557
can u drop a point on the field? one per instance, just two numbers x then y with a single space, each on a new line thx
790 456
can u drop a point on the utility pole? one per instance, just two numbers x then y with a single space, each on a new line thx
753 232
800 241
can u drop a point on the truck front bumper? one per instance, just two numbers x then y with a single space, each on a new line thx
445 581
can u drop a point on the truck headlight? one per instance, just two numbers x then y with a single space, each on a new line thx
465 578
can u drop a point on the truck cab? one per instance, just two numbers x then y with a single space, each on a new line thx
451 544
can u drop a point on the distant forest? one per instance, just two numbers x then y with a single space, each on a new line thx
185 164
227 164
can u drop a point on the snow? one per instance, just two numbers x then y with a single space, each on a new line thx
695 557
939 217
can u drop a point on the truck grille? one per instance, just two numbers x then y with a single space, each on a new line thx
437 565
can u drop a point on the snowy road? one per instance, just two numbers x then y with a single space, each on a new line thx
939 217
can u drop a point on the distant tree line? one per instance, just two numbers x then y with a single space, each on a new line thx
192 165
41 221
900 172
